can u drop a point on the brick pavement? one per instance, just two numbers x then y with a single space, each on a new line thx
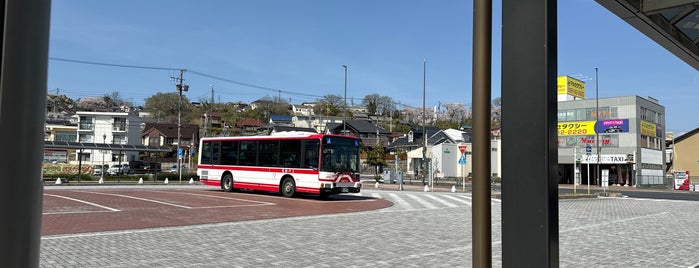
600 232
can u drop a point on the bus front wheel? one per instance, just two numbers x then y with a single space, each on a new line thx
288 187
227 183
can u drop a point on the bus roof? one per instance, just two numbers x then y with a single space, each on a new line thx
293 135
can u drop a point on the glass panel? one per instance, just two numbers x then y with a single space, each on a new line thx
310 155
268 152
229 152
248 153
689 25
290 151
206 153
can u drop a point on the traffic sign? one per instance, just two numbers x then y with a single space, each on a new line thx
462 148
462 160
179 151
588 149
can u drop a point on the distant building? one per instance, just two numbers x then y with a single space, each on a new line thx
108 127
631 143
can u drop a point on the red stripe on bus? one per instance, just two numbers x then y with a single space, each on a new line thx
263 169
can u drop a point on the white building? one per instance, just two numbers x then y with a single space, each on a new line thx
108 128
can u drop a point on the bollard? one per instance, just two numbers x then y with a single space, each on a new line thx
58 181
140 180
453 188
377 185
166 181
191 181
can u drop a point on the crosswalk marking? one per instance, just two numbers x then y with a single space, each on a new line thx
446 203
426 200
457 199
400 202
421 201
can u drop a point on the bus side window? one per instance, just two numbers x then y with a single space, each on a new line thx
248 153
216 153
290 153
229 152
205 153
310 153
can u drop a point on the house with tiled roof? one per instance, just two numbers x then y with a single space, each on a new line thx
249 124
370 134
162 134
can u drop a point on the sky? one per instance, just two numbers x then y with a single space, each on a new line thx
246 50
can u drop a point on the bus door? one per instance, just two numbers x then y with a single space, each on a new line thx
209 156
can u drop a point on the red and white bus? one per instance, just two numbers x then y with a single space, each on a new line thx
321 164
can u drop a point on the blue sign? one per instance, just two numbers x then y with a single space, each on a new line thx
462 160
179 151
398 159
588 149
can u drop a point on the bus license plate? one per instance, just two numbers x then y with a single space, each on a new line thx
344 190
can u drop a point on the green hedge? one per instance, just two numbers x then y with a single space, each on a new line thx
122 178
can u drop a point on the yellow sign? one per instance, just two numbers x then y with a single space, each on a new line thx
648 129
571 86
577 128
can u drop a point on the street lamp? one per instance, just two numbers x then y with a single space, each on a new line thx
104 140
597 174
344 116
424 131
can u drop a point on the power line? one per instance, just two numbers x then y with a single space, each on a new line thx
115 65
190 71
253 86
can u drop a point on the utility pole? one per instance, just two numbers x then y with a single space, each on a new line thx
180 87
54 100
344 115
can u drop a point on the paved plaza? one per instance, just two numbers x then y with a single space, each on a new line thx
422 229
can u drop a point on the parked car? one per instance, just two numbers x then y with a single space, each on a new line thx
97 169
173 169
143 167
119 169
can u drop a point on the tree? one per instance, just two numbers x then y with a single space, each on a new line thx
414 115
375 158
371 102
378 105
455 112
162 105
496 112
332 105
273 105
113 100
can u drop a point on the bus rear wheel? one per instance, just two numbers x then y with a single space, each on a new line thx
288 187
227 183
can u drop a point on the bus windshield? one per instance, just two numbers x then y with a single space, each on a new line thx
340 155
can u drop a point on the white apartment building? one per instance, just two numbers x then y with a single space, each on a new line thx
108 128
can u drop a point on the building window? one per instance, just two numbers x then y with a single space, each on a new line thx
119 139
69 137
119 124
650 142
651 116
86 123
86 138
84 156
